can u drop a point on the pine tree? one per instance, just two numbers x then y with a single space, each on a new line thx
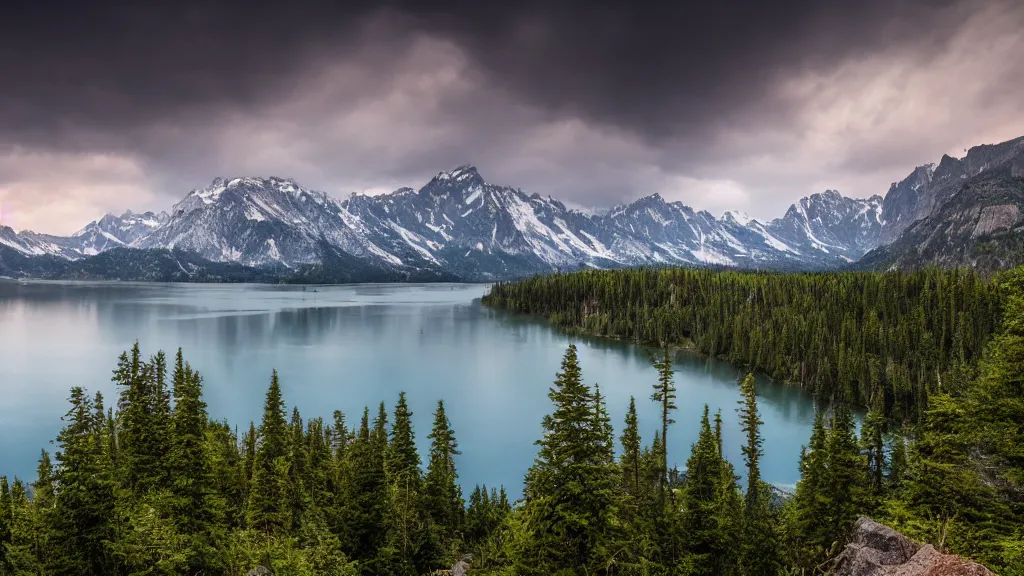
630 460
603 423
84 510
268 511
897 469
570 490
728 512
196 507
699 500
6 521
873 442
406 534
846 477
809 509
21 553
368 491
159 433
43 503
443 497
296 493
665 395
758 549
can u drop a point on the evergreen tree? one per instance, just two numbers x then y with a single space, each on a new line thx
846 479
630 460
268 511
6 520
21 552
873 443
443 497
196 508
665 395
84 508
699 502
43 502
808 512
368 491
603 423
758 550
571 488
406 530
296 493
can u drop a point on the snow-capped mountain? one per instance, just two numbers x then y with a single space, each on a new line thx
831 224
115 231
29 243
460 226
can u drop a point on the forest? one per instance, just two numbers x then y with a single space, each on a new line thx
153 485
885 340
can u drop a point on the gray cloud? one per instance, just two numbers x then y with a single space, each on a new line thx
721 105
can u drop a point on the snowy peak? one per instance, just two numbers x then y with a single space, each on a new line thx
459 225
830 223
737 217
463 177
112 231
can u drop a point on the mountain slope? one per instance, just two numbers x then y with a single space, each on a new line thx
929 187
458 226
981 225
832 224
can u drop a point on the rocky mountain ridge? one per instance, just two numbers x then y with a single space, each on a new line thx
963 211
459 225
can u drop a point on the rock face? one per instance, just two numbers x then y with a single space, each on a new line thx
878 550
929 187
979 226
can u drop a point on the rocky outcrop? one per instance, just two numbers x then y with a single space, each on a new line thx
877 550
996 218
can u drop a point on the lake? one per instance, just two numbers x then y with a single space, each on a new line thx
345 347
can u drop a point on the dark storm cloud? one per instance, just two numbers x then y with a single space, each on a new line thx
655 68
720 104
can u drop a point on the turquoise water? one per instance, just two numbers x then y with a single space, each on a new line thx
349 346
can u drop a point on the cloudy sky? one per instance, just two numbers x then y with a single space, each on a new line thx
723 105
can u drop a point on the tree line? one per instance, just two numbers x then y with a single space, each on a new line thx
890 339
154 486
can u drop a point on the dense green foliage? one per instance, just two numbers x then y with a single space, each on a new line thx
156 487
894 337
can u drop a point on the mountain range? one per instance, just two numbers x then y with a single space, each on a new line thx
460 227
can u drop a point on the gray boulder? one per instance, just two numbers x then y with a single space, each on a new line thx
877 550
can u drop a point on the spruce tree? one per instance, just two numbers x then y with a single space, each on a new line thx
665 395
268 510
197 509
807 522
846 480
83 516
631 442
159 422
406 530
296 493
21 551
603 423
758 548
6 520
368 491
571 496
699 503
873 442
443 497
